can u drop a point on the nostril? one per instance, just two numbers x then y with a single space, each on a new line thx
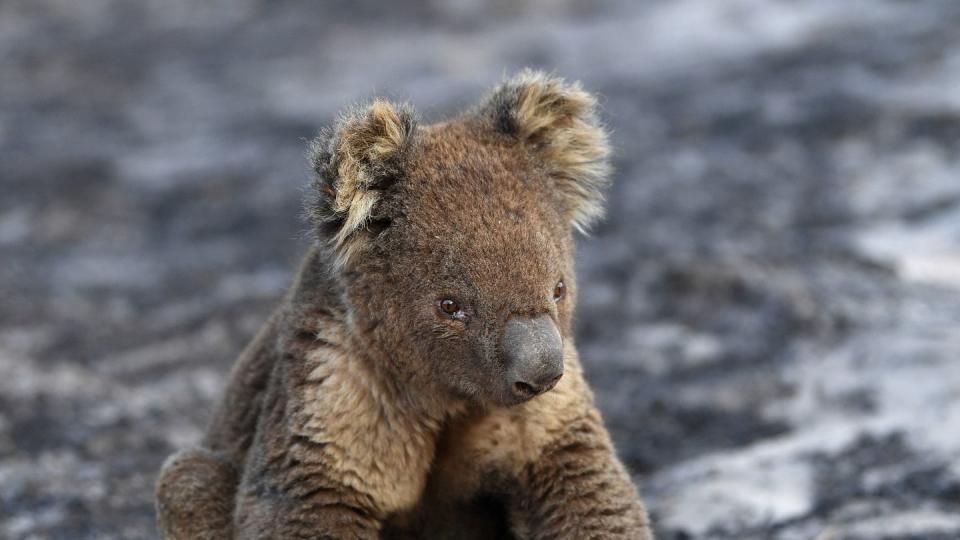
553 381
523 389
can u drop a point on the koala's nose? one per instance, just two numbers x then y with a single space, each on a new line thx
533 355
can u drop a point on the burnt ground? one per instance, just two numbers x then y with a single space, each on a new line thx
769 315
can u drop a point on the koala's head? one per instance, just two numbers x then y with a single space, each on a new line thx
453 240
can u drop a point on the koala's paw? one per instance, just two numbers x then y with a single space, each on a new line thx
195 496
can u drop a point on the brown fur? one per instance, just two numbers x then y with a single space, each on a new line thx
361 411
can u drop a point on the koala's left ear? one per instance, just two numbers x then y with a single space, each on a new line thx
355 161
558 122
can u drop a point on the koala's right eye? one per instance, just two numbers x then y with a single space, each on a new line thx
451 309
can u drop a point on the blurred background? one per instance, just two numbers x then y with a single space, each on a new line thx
769 314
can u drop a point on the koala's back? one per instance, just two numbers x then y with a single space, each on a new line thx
197 488
234 422
196 491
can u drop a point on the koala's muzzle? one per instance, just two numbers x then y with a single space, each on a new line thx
533 355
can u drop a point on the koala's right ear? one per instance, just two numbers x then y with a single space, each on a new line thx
361 156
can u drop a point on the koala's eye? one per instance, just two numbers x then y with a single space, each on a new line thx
559 290
452 310
449 307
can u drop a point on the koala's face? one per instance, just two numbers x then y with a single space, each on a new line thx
477 265
460 266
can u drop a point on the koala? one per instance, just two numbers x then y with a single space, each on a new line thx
420 379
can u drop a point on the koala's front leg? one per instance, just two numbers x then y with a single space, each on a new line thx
578 489
303 504
319 467
294 487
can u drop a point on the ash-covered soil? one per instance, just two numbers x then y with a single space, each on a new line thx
770 315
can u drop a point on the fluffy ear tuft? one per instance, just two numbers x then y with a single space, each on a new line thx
361 156
558 122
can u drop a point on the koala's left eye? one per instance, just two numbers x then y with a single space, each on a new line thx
559 290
